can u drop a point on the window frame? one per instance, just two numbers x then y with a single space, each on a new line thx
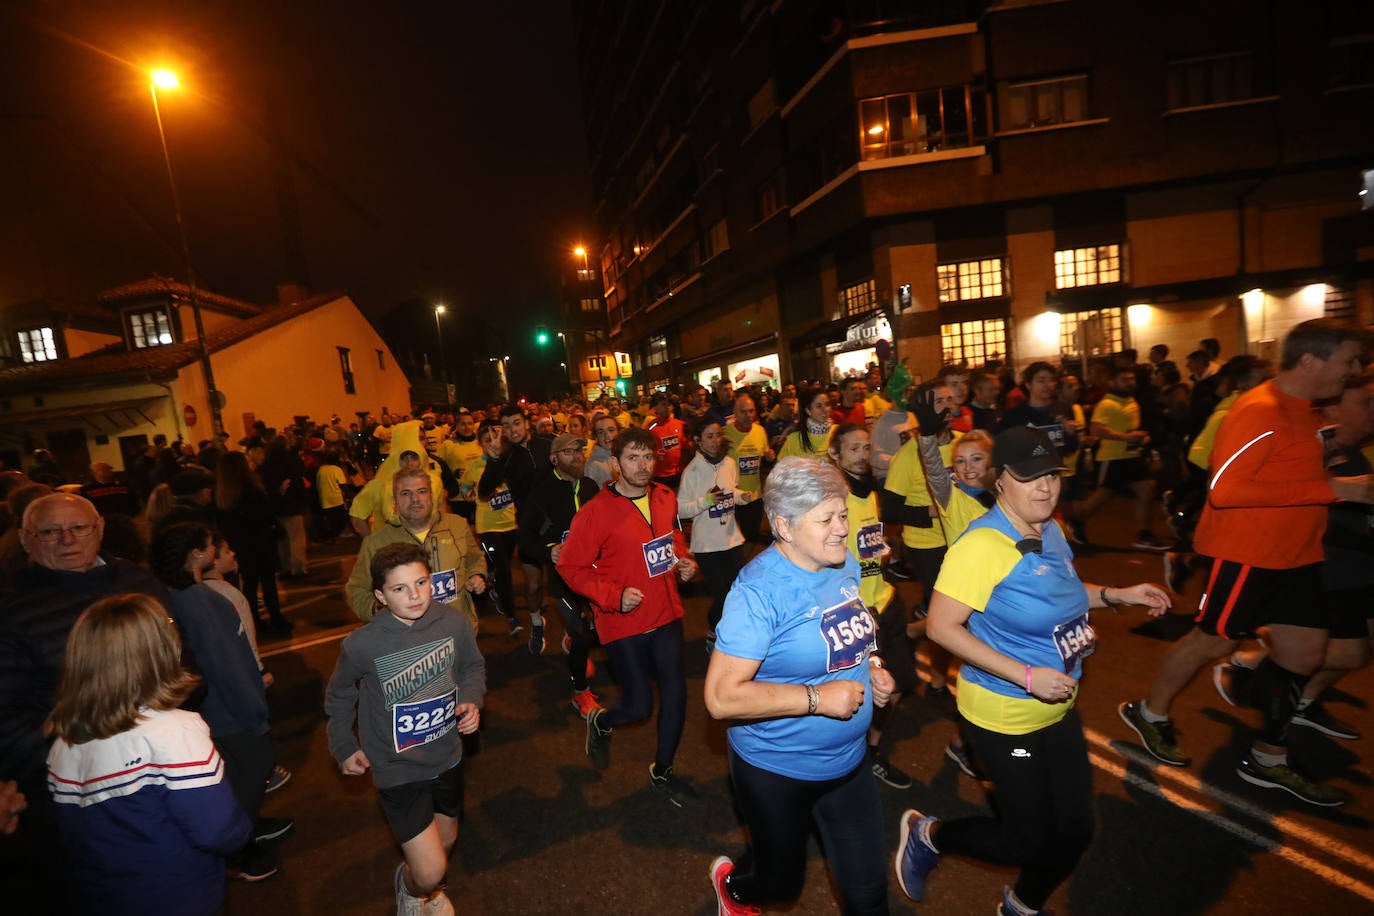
1116 339
1032 122
914 141
1176 76
955 292
975 353
48 340
346 367
132 319
1079 276
858 298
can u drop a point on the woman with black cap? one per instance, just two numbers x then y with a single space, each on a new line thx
1009 603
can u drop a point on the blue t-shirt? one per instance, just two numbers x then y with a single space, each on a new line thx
804 628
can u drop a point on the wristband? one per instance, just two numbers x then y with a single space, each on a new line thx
1028 679
1107 602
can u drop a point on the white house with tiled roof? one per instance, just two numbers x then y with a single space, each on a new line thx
97 382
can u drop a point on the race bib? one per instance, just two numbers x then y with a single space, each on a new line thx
500 499
444 585
658 554
870 541
414 724
1056 433
1075 641
849 633
724 506
670 443
749 465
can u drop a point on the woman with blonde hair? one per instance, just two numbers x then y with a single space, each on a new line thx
145 814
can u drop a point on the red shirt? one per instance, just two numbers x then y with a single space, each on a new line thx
670 434
1268 498
839 414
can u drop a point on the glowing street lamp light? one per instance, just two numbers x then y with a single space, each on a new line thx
166 79
443 366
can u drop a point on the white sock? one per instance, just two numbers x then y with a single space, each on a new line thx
923 828
1149 716
1269 760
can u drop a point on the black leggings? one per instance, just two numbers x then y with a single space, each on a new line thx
719 568
638 661
779 812
572 608
255 573
1043 794
499 546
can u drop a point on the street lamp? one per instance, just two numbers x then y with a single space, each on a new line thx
166 79
443 366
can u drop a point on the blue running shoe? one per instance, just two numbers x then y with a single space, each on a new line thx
915 860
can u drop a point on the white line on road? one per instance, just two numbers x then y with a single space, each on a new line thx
295 644
1325 872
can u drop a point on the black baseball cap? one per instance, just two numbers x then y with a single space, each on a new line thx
1026 453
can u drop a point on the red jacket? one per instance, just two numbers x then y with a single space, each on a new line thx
607 551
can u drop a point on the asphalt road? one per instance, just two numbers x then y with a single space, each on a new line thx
545 833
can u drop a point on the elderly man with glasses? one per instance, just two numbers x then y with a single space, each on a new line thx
67 572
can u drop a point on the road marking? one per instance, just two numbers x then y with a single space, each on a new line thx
295 644
1325 872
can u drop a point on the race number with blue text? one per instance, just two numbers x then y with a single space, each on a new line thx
658 554
1075 641
850 633
870 541
749 465
444 585
724 505
500 499
423 721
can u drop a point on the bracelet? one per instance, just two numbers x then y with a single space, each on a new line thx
813 699
1028 679
1107 602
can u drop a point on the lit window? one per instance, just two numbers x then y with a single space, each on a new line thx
973 343
1087 266
1097 332
657 351
37 345
591 305
586 273
858 298
596 362
1214 80
952 117
150 328
964 280
1044 102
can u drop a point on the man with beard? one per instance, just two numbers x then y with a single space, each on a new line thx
557 494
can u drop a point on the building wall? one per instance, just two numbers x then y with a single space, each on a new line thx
79 343
293 369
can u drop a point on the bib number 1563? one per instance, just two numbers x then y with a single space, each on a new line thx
849 631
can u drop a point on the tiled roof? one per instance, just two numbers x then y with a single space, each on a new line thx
155 285
114 363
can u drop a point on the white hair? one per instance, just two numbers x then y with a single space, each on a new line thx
797 485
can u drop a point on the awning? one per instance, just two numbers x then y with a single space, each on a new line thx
716 356
102 418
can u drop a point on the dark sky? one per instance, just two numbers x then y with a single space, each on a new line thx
436 149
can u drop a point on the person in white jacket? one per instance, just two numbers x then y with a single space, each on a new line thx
708 496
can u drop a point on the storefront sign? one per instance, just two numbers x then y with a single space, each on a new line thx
867 333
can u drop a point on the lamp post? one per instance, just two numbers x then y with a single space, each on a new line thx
438 327
166 79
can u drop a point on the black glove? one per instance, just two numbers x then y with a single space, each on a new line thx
932 422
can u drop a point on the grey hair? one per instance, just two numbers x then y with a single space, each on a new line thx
797 485
52 499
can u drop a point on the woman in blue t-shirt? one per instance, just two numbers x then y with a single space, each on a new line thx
794 666
1010 604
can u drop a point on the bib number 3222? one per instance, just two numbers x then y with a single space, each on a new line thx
423 721
849 632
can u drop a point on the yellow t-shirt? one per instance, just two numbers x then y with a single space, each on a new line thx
1200 452
793 446
866 544
972 569
907 479
1120 415
496 514
748 450
458 455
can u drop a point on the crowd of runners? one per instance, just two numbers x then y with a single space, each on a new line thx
793 509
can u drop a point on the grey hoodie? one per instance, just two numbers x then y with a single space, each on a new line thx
400 684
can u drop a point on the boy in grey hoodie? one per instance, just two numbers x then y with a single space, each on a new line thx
413 681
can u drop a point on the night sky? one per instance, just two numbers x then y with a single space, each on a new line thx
436 153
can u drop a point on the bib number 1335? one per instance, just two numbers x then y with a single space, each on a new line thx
849 632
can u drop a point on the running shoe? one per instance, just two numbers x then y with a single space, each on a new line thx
1010 906
254 864
710 644
960 755
584 701
725 904
280 777
1176 571
1158 737
1314 715
915 860
515 628
537 639
1146 540
1283 776
679 792
884 770
268 829
598 740
402 897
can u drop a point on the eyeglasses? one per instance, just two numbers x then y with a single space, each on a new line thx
83 530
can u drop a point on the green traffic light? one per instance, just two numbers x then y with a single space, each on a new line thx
541 335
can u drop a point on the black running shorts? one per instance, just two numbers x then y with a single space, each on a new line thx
1239 599
1348 612
411 806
